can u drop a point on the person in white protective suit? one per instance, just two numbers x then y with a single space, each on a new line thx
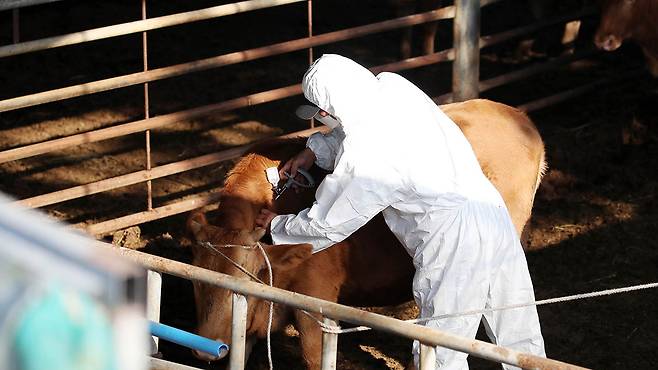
394 151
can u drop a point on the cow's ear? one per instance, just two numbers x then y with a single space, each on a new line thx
286 257
195 224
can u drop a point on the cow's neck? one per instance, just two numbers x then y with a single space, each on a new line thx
238 212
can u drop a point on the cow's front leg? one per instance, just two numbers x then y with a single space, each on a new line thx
310 335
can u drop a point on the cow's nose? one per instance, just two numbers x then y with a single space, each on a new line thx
608 43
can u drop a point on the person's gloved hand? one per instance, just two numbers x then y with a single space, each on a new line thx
303 159
264 218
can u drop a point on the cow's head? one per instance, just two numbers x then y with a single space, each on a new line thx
214 304
618 19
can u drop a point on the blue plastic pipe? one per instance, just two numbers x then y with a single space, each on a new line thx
189 340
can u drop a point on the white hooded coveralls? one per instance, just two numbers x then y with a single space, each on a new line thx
399 154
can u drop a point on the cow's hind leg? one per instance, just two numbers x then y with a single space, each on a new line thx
310 335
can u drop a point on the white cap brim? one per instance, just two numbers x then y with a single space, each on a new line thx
307 111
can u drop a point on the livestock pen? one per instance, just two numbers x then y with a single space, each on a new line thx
43 164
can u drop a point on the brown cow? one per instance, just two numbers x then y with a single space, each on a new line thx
634 20
509 150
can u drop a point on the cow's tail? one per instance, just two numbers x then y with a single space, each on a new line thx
541 171
543 168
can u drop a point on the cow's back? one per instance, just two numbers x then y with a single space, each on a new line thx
509 149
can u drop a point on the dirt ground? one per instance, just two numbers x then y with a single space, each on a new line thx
594 218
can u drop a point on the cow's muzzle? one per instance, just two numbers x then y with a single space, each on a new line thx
608 42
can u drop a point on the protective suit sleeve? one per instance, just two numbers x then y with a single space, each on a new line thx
325 147
345 202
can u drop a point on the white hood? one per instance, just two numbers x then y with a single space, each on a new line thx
341 87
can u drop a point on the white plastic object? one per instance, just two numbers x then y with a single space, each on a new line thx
273 176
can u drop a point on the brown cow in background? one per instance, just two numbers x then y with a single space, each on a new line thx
635 20
370 268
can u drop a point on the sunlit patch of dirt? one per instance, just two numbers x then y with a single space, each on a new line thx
243 133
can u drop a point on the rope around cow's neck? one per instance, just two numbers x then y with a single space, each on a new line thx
213 247
269 320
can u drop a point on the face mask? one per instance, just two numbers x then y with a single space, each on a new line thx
328 121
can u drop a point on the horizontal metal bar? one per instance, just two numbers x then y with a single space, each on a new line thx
140 26
15 4
129 179
105 227
344 313
560 97
158 364
521 31
146 175
534 69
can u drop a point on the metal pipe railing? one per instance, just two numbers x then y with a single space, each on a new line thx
580 90
220 60
238 332
15 4
329 346
186 205
427 357
153 299
140 26
147 113
337 311
534 69
466 67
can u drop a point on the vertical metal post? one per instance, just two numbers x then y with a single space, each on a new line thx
427 357
149 188
329 347
466 68
153 298
16 26
310 33
238 332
